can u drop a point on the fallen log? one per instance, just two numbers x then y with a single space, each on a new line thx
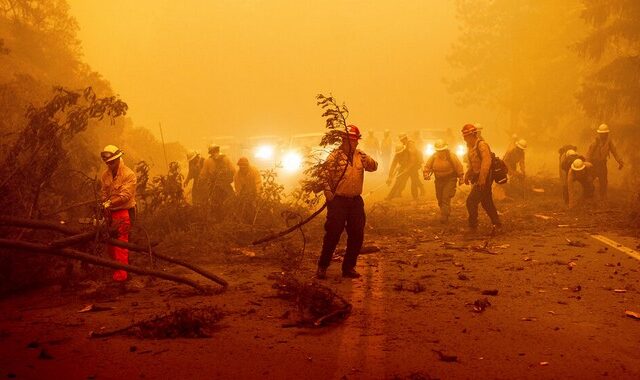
172 260
85 257
79 237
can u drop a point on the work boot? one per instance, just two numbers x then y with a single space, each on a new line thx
321 273
351 273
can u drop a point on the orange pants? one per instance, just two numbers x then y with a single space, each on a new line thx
120 219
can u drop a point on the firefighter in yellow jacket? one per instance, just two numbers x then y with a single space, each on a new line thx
448 172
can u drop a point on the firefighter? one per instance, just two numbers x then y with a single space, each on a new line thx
343 180
405 166
217 176
580 172
196 162
598 154
448 173
514 159
118 197
372 145
479 175
386 150
567 159
248 185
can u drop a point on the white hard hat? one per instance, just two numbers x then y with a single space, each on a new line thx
440 145
578 165
522 144
603 128
191 155
110 153
570 152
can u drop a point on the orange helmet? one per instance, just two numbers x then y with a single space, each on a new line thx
353 132
469 129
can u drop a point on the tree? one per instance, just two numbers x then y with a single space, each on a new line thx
612 88
513 56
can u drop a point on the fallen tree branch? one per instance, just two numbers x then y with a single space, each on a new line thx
85 257
172 260
79 237
290 229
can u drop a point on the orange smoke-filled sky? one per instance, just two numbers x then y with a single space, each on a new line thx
209 68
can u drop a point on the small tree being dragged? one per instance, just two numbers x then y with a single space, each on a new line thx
335 116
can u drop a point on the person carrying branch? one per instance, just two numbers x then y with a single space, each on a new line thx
448 172
343 179
118 197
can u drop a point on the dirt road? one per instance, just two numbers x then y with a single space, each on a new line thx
556 296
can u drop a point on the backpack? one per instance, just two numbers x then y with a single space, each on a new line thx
498 169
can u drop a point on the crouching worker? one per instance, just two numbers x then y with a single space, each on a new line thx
581 172
344 177
118 197
448 172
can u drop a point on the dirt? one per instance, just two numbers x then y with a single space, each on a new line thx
433 302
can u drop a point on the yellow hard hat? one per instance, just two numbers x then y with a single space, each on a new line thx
110 153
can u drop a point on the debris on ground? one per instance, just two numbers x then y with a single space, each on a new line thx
182 323
490 292
44 355
317 304
619 290
415 287
481 304
445 357
575 243
367 249
632 314
94 308
543 217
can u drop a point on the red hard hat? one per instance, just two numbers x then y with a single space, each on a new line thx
469 129
353 132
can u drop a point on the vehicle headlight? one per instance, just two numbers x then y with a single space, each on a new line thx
264 152
429 150
461 150
292 161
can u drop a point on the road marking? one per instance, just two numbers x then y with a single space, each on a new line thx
631 252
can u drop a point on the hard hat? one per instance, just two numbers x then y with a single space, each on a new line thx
578 165
479 127
214 148
440 145
570 152
469 129
243 161
110 153
522 144
403 136
353 132
191 155
603 128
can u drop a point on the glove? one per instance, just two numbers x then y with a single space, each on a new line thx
106 204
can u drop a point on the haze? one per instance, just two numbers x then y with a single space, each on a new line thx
244 68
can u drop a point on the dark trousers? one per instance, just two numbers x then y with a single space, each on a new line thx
343 213
600 172
483 196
